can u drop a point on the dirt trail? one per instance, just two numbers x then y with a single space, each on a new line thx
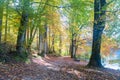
55 68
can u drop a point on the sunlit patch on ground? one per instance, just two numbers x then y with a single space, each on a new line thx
115 66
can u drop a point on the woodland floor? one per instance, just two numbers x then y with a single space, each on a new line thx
55 68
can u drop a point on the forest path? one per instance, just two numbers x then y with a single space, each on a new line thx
57 63
55 68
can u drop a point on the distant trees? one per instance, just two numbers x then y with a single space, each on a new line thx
78 16
99 25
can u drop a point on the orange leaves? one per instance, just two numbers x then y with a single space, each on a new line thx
107 45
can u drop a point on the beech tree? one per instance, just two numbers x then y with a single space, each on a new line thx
23 26
99 25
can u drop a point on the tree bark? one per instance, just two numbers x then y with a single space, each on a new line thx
22 29
1 18
6 22
99 25
60 44
40 43
45 41
49 40
72 47
53 38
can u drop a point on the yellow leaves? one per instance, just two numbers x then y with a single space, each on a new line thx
107 45
36 0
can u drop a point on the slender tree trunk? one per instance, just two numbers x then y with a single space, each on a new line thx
49 40
53 39
60 44
1 18
6 22
99 24
40 43
40 49
72 46
74 49
22 29
45 41
28 35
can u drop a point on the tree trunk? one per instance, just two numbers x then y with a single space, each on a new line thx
40 43
6 22
53 49
45 41
99 25
72 46
74 49
22 29
49 40
60 44
1 18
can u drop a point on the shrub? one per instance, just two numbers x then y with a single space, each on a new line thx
5 49
8 54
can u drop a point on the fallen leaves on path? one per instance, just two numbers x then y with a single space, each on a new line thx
55 68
